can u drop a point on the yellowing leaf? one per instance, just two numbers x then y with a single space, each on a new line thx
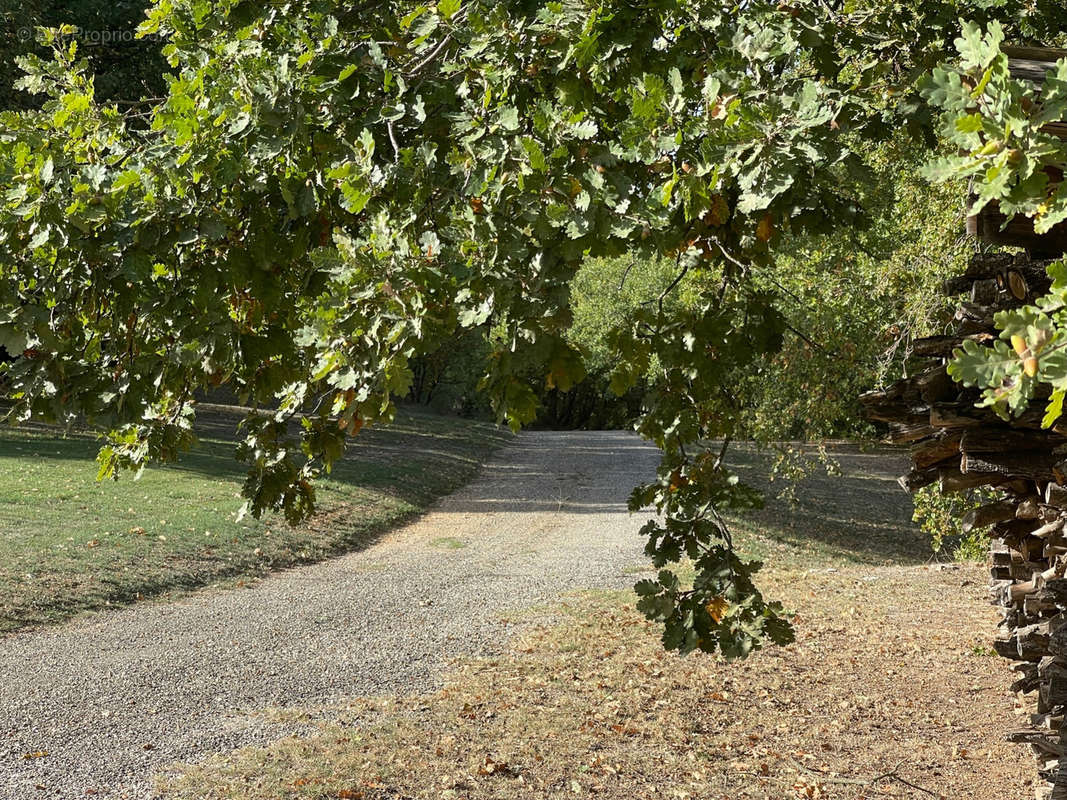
765 228
718 212
678 480
717 608
1054 410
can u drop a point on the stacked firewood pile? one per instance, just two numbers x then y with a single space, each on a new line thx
958 447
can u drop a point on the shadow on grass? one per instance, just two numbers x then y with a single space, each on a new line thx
69 544
417 458
861 516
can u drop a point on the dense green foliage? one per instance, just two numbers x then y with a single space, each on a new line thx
854 299
998 124
325 194
851 302
603 293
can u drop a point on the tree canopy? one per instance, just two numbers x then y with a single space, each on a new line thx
324 192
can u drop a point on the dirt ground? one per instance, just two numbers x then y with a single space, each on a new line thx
891 690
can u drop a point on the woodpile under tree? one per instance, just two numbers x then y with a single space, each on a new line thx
958 446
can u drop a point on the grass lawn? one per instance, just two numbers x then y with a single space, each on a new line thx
69 544
891 691
859 517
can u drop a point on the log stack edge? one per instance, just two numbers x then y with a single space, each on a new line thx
957 446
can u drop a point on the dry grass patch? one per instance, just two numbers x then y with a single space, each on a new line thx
890 691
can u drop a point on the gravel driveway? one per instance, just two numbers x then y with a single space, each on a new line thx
113 697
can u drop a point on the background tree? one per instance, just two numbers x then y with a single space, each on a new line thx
127 67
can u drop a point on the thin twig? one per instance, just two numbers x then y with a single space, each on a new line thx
430 58
722 452
890 775
626 274
803 336
674 283
144 101
726 254
392 141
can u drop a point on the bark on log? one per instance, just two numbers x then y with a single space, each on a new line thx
1034 465
943 448
988 515
942 346
987 265
1008 440
985 291
1056 495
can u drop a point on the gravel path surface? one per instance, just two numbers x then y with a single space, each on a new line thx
114 697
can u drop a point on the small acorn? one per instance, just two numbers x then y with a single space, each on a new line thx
1026 354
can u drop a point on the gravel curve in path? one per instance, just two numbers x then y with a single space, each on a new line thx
113 697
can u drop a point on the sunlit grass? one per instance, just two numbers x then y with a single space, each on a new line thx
69 543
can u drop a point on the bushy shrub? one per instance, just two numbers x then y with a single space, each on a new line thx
941 518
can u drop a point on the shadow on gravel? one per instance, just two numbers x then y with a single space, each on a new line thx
861 516
531 482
